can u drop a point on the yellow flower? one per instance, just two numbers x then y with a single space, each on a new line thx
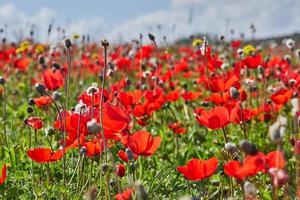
39 49
248 50
23 46
76 36
94 56
197 42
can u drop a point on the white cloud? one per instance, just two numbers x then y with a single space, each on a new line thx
19 23
271 17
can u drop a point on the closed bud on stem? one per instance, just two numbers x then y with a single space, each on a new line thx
93 127
105 167
248 147
104 43
68 43
129 154
127 81
56 95
40 88
30 109
91 193
2 80
151 37
231 148
55 65
249 189
31 102
141 192
82 151
234 93
42 60
49 131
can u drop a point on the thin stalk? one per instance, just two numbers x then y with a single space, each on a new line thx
4 125
69 63
62 129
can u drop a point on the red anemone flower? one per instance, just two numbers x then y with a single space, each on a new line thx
93 148
42 101
34 122
282 96
197 169
126 195
214 119
254 164
53 79
120 170
143 143
122 154
3 174
44 155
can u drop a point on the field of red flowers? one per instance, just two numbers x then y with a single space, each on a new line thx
144 120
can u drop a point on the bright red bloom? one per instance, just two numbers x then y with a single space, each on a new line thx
253 61
173 96
34 122
275 159
214 119
115 119
197 169
53 79
177 128
126 195
191 96
120 170
142 143
122 154
254 164
93 148
3 175
220 84
44 155
239 114
42 101
282 96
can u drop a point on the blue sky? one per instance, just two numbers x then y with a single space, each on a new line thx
125 19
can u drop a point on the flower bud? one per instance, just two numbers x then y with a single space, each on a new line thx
49 131
91 193
56 95
105 167
234 93
249 189
42 60
141 192
30 109
93 127
120 170
2 80
68 43
56 66
112 183
231 148
127 81
248 147
92 89
82 151
40 88
104 43
129 154
151 37
31 102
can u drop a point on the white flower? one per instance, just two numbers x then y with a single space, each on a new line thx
290 43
